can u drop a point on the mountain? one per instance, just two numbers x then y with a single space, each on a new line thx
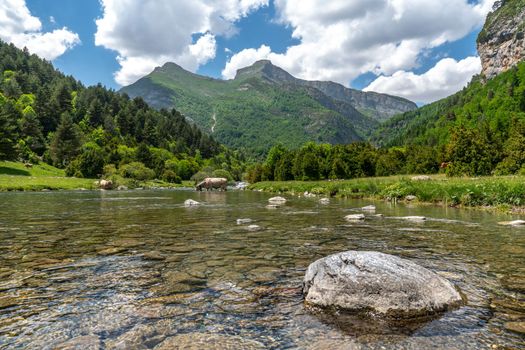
264 105
495 99
501 43
45 115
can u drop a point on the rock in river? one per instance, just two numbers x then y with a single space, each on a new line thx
384 284
355 217
277 200
191 203
512 223
208 341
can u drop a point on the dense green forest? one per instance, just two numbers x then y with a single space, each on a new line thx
478 131
91 131
496 106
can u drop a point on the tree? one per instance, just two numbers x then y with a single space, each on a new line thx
8 130
65 145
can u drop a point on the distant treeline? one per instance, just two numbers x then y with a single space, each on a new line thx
45 115
469 152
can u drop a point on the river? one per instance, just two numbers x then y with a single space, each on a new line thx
138 270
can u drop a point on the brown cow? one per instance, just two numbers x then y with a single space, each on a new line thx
210 183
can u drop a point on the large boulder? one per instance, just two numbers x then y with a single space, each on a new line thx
382 284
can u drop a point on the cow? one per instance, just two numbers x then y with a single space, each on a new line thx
210 183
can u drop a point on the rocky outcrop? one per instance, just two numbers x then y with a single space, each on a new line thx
501 43
374 282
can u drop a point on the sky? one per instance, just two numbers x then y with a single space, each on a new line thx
422 50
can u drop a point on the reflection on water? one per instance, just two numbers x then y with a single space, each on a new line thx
124 270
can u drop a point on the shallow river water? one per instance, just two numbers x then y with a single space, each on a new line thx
138 270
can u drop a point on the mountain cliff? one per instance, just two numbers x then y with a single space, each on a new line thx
265 105
501 43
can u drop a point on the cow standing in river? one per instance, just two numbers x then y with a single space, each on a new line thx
210 183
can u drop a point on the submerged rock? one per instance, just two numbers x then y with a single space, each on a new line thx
369 208
244 221
383 284
278 200
191 203
254 228
273 206
324 201
413 218
85 342
355 217
199 341
513 223
516 327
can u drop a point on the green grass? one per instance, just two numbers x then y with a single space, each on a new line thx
498 192
14 176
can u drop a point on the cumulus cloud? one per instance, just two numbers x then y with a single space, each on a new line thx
22 29
146 34
340 40
444 79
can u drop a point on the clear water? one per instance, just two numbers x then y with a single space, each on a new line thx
138 270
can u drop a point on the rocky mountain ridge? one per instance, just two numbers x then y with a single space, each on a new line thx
501 43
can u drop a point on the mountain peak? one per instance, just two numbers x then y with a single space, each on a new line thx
264 69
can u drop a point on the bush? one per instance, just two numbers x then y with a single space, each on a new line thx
171 176
222 173
137 171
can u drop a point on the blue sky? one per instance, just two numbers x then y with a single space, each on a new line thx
343 41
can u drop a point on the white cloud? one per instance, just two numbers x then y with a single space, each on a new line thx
19 27
444 79
339 40
149 33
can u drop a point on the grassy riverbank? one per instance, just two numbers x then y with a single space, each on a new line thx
500 192
14 176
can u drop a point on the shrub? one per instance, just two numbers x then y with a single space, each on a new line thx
137 171
222 173
171 176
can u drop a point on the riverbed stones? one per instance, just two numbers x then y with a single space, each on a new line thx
512 223
254 228
516 327
244 221
355 217
386 285
277 200
369 208
324 201
191 203
197 341
413 218
273 206
85 342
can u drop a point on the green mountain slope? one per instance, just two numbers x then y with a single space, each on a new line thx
494 100
263 106
497 104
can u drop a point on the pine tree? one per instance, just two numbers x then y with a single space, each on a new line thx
66 142
8 131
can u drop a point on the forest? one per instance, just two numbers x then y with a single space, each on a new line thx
93 131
